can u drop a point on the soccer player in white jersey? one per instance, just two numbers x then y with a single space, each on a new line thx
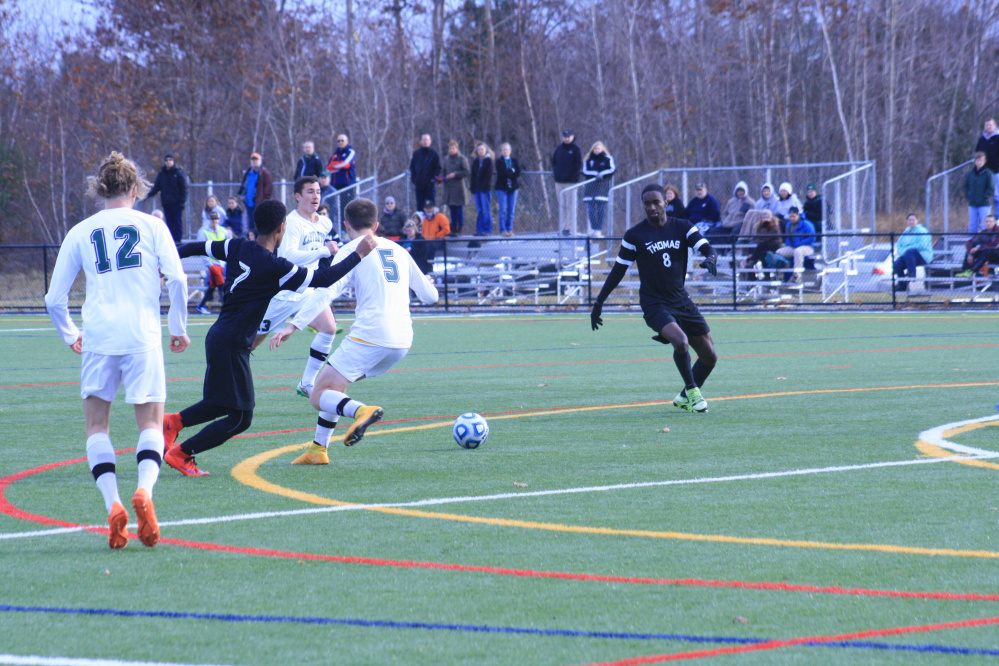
380 337
122 252
305 245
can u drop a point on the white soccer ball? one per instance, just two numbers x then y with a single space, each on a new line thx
470 430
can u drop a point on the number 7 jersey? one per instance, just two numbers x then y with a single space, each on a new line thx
381 284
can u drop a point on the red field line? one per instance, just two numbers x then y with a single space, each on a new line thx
9 509
774 645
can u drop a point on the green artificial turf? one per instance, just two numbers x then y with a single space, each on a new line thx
475 576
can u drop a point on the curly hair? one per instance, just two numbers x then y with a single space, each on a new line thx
116 177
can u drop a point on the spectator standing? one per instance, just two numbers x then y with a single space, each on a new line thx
343 175
171 185
913 248
211 204
234 218
325 189
214 268
674 203
392 220
734 212
413 243
800 239
980 248
988 143
456 170
507 173
256 187
786 200
424 171
768 200
309 163
482 187
599 166
567 166
813 209
979 190
704 210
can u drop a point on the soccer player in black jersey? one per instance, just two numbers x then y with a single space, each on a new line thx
254 275
659 245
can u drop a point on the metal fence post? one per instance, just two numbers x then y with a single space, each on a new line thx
891 239
45 267
946 204
589 274
446 302
735 274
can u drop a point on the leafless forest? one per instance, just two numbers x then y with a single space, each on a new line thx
907 83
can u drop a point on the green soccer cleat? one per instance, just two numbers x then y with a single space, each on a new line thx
696 402
681 402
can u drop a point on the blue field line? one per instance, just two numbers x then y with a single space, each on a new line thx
474 628
719 347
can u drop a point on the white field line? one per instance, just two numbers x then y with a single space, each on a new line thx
935 436
70 661
437 501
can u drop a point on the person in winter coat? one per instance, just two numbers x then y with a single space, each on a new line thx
234 218
567 165
599 166
704 210
456 172
482 187
343 175
674 203
171 185
814 209
768 199
734 212
425 171
786 200
988 143
979 188
768 241
211 204
980 246
256 187
507 173
913 248
309 163
800 236
392 220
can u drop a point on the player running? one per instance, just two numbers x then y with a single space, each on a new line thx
122 252
255 274
305 244
381 334
659 244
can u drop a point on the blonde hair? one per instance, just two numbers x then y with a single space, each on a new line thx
452 144
489 151
116 177
595 144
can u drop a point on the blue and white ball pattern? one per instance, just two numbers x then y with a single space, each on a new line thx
470 430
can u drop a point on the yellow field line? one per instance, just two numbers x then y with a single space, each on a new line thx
246 472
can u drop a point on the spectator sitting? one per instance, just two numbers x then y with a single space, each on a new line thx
913 248
979 188
704 210
392 220
215 275
800 235
733 214
435 228
234 218
674 203
786 200
416 246
978 246
813 209
211 204
768 242
768 200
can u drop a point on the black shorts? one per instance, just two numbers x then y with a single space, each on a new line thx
688 318
228 381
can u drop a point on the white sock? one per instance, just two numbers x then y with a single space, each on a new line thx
100 455
318 351
324 428
330 401
149 454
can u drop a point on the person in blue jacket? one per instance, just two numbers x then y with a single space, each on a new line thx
799 239
913 248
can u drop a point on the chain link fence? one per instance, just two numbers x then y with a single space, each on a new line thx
946 207
546 271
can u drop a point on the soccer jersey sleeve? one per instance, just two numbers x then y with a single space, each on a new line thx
426 292
291 251
629 249
68 265
694 239
176 279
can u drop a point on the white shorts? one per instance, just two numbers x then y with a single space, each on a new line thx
142 375
280 310
354 359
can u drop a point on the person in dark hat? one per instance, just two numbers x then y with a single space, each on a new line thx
812 209
567 165
171 185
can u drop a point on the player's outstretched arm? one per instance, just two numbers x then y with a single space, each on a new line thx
710 257
278 338
612 281
324 277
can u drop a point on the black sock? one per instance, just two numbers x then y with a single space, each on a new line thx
218 432
701 372
682 360
201 412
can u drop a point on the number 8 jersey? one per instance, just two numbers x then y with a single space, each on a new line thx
661 254
122 252
381 284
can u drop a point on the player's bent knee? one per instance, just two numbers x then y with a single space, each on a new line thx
239 420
